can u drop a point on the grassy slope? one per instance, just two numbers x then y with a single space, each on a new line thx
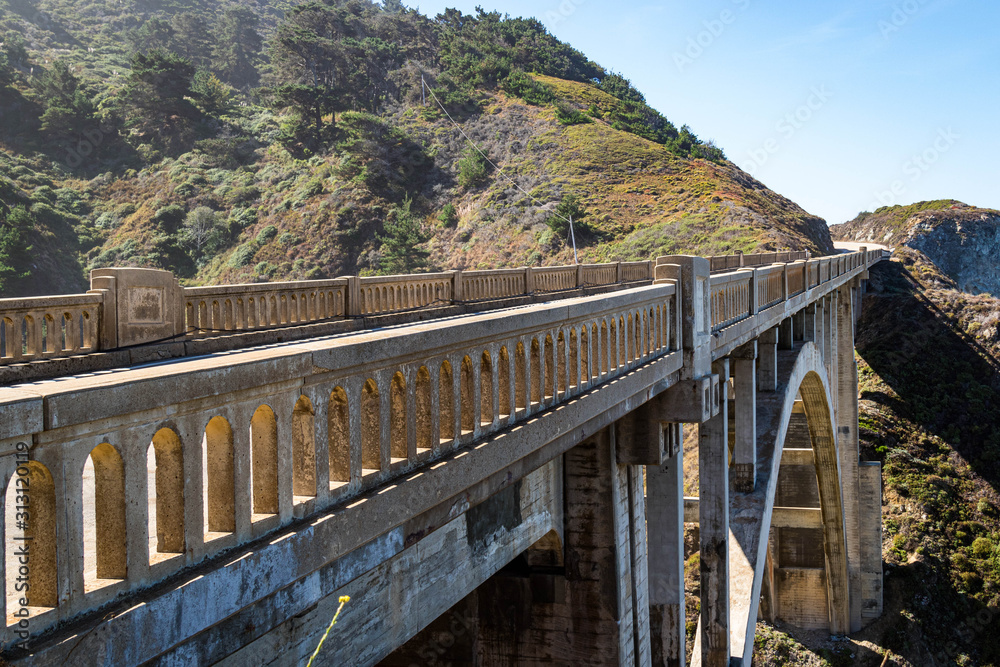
930 409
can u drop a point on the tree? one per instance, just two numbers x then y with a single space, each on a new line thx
153 102
192 37
214 96
154 34
15 224
15 48
238 45
68 109
403 234
471 168
202 231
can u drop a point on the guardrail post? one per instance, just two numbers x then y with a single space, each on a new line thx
579 275
107 324
148 304
352 307
739 253
694 299
529 280
754 301
864 254
618 272
457 293
784 282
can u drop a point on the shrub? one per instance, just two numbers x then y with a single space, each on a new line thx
266 234
169 218
472 168
243 255
982 547
448 215
520 84
567 115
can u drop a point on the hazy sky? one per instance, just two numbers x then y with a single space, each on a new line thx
839 106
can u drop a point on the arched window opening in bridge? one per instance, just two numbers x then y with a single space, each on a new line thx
561 362
303 450
585 364
632 328
466 390
165 478
264 462
574 359
550 367
371 429
39 530
218 464
103 517
520 378
338 432
446 403
536 372
486 389
503 382
622 343
424 407
397 418
602 349
613 345
651 329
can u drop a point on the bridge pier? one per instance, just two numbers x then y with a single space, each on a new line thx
744 363
665 548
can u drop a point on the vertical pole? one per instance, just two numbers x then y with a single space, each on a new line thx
572 236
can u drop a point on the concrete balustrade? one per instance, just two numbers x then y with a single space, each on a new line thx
48 327
189 459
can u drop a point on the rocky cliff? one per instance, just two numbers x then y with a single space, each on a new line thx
962 241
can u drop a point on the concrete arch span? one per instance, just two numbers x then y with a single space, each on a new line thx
803 390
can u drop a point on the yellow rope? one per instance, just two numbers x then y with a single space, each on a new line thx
344 599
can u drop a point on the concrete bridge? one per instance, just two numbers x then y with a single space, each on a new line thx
490 464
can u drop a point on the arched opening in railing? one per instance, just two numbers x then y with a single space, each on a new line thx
468 423
520 378
550 367
371 428
536 372
338 438
165 469
397 418
574 359
446 403
613 344
303 450
31 484
423 405
220 485
561 362
622 343
104 559
503 382
264 461
486 389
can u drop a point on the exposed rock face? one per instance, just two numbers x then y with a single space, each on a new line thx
963 241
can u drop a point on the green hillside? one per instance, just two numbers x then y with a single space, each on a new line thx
279 140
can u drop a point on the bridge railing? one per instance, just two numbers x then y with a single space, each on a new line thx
189 459
722 263
49 326
209 310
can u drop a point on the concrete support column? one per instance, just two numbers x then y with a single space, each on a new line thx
767 351
798 326
809 322
744 362
713 518
665 547
847 447
786 339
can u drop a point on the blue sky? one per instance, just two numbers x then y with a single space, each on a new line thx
839 106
